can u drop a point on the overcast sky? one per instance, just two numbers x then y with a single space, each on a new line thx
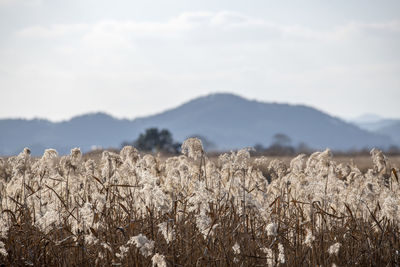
130 58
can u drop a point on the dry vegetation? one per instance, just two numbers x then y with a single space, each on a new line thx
133 210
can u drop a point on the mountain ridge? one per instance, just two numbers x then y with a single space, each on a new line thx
230 121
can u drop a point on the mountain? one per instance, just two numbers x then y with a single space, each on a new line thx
373 122
227 120
379 125
392 130
86 131
375 126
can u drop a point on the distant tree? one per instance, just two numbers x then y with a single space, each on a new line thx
281 145
303 148
281 139
153 140
165 139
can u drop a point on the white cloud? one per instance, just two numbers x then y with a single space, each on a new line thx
120 65
354 30
215 27
21 2
54 31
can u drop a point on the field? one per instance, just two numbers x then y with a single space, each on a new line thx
132 209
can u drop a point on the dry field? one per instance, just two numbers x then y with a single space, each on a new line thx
129 209
363 162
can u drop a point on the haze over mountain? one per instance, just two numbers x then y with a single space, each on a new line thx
392 130
227 120
377 124
373 122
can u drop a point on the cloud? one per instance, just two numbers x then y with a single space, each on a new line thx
227 39
54 31
354 30
21 2
195 53
217 27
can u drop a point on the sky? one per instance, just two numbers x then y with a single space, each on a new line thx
59 59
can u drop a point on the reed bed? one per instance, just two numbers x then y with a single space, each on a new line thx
133 210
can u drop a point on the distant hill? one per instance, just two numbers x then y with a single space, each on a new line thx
367 118
372 122
227 120
84 131
392 130
376 124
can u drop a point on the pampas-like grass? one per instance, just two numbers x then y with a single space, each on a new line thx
134 210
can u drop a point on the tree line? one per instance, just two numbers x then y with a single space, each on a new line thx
161 141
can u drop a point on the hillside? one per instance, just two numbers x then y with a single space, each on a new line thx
227 120
379 125
392 130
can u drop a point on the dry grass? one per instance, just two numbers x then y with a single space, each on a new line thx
361 244
368 240
363 162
